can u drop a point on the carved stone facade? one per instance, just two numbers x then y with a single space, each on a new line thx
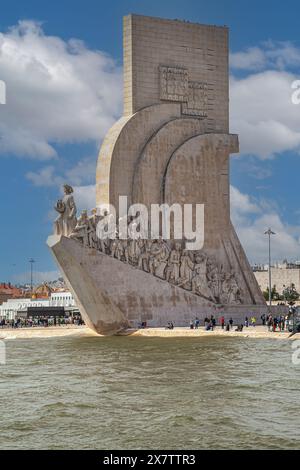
194 271
197 102
171 146
173 83
196 97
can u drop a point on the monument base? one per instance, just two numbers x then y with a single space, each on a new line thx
112 295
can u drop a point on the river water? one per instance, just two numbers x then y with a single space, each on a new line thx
149 393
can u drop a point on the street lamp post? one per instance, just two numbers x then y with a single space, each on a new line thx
269 233
31 261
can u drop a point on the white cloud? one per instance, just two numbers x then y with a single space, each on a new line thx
85 197
251 59
44 177
242 203
252 218
57 92
271 55
263 115
83 172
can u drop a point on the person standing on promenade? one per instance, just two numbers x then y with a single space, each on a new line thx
269 322
222 321
231 323
263 319
246 322
253 321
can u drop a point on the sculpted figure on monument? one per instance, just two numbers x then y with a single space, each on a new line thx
104 232
199 280
133 246
117 249
133 252
161 256
93 241
152 258
144 257
66 221
230 290
216 276
186 270
172 269
125 245
82 229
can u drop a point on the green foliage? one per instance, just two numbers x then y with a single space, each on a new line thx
290 293
274 294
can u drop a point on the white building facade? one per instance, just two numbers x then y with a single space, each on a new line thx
13 308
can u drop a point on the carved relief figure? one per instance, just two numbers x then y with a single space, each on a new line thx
93 241
230 290
161 258
216 277
117 249
172 269
125 247
199 280
102 233
66 221
145 247
191 271
82 229
186 270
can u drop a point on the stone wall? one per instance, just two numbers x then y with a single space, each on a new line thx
280 278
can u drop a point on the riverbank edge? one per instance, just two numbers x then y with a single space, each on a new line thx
257 332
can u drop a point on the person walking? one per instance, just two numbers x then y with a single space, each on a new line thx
270 322
231 323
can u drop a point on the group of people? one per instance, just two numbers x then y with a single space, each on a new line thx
210 323
251 322
278 323
21 322
274 323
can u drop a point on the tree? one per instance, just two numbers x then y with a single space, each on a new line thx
290 293
274 294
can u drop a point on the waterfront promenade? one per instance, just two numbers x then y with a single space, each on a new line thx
82 331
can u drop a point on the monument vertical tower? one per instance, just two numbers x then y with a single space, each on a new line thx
171 145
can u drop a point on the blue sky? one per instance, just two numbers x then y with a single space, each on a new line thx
51 130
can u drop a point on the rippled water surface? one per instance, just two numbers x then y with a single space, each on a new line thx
149 393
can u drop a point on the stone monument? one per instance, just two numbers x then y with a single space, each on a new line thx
171 146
